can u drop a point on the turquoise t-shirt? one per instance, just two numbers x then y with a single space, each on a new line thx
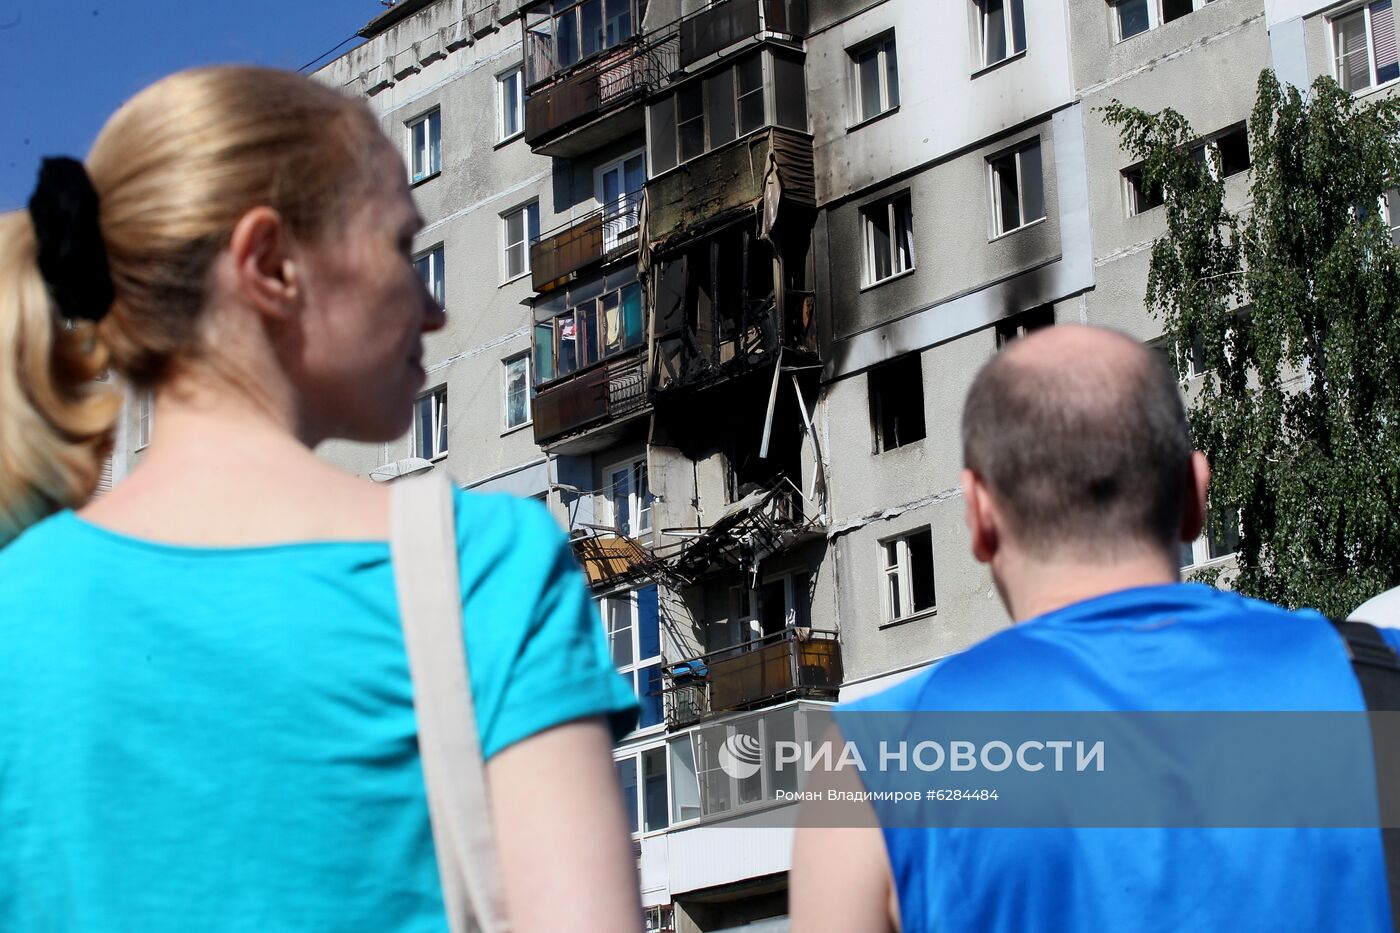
224 738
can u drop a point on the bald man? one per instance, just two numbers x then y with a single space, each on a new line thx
1080 480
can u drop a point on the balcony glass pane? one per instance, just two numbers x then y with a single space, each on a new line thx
588 335
716 795
592 13
627 777
567 353
719 106
750 789
632 315
566 39
685 786
649 685
778 727
654 790
619 27
544 352
617 611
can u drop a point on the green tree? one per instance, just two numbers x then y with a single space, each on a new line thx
1293 302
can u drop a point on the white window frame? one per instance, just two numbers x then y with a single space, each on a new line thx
884 46
639 513
1391 217
621 228
897 263
634 753
1200 553
1009 33
425 154
635 669
1372 77
528 359
145 418
437 447
901 572
504 98
992 174
431 265
530 211
1155 18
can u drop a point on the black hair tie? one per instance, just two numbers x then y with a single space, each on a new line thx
72 256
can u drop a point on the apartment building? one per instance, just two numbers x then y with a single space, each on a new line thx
718 275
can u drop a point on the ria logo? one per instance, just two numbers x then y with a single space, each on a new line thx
740 756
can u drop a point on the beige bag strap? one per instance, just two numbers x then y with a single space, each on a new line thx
424 548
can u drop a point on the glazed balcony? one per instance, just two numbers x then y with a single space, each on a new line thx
587 400
793 663
714 28
605 234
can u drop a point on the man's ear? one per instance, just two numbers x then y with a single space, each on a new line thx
981 517
264 267
1193 506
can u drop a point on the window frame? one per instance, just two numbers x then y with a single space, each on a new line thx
435 280
430 153
503 134
868 242
1372 72
437 397
1201 547
639 513
1009 10
1156 17
886 48
994 176
145 418
526 356
598 303
635 753
901 573
530 211
636 669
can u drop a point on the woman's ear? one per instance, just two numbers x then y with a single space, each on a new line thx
265 269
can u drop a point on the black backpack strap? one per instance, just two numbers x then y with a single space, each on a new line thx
1377 669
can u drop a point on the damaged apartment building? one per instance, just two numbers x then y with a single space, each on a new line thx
717 277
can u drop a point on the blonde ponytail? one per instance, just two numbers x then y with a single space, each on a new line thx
55 419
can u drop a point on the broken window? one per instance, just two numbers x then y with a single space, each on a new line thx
897 402
1018 189
1019 325
889 238
907 563
1003 29
1141 196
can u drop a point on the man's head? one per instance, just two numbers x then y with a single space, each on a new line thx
1077 451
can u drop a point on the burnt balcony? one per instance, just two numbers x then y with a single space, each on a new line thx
715 28
603 393
793 663
591 105
605 234
732 178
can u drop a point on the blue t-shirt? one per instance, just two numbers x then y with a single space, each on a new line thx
1183 647
224 738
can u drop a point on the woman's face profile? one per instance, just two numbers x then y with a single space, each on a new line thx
366 313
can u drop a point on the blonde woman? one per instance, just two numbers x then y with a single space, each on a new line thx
206 714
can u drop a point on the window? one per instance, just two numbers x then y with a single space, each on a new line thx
629 498
700 784
706 113
1002 31
907 563
645 790
1141 196
517 401
632 622
592 330
1390 210
425 146
1192 364
1226 153
897 403
1018 189
560 37
144 405
510 103
430 425
522 229
1217 542
889 238
1364 47
430 270
1020 325
619 191
875 78
1138 16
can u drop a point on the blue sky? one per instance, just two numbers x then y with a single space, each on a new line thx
65 65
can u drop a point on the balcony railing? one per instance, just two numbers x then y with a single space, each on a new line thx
617 77
607 391
795 662
607 232
715 28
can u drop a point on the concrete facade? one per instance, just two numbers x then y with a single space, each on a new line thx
819 543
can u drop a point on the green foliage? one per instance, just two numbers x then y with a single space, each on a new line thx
1294 299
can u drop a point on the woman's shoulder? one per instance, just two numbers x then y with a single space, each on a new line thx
492 524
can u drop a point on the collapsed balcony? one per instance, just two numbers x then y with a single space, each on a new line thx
792 663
